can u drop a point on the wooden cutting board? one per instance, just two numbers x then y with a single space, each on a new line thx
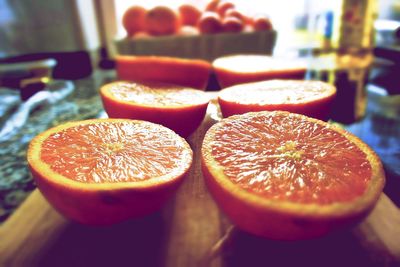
189 231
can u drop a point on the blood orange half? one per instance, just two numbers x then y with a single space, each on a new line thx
310 98
104 171
236 69
179 108
286 176
185 72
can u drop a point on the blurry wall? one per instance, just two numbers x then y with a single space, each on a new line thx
29 26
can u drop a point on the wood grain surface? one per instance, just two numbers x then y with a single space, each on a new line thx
189 231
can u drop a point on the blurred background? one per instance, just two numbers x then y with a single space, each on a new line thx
91 32
69 29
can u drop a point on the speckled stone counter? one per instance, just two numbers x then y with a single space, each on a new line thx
82 101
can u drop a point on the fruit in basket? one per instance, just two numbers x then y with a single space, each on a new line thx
237 14
310 98
232 24
212 5
133 19
104 171
189 14
286 176
209 23
179 108
141 35
188 31
262 23
186 72
162 20
223 6
236 69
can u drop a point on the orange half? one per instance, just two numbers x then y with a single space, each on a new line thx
310 98
104 171
287 176
179 108
192 73
237 69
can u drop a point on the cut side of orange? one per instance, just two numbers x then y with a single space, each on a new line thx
103 171
237 69
310 98
286 176
179 108
193 73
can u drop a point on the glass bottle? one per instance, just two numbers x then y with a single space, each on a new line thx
352 43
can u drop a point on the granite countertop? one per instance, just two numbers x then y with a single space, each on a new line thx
75 100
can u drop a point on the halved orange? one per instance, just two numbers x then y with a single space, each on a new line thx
286 176
181 109
236 69
186 72
104 171
310 98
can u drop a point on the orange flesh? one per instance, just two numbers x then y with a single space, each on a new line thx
277 92
289 158
157 94
112 152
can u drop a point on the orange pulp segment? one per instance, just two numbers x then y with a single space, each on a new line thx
109 152
156 94
288 158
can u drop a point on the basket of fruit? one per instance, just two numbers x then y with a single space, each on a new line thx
189 32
